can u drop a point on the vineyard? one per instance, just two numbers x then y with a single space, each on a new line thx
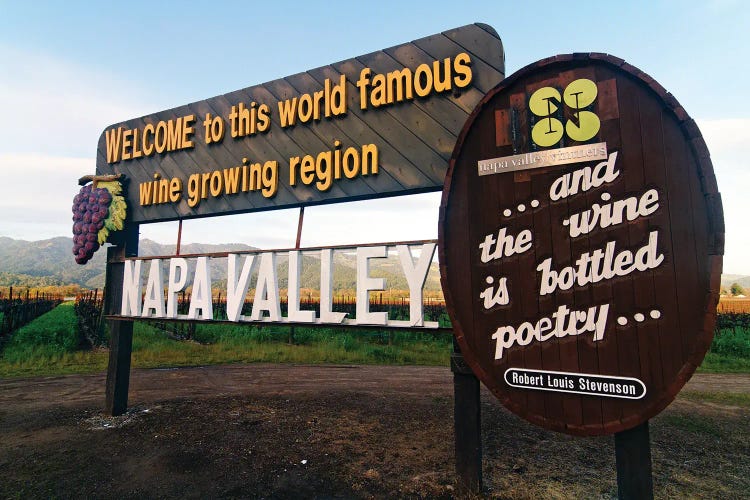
733 305
18 309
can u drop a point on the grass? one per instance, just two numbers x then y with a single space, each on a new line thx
729 353
722 398
47 346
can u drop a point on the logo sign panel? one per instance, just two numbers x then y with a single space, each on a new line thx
580 241
381 124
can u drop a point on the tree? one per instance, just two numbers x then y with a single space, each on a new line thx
736 289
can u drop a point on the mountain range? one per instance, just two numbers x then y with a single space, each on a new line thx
50 262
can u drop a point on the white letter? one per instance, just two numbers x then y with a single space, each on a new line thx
601 322
416 276
200 298
154 291
177 266
326 286
365 284
294 313
267 289
501 343
549 278
131 289
237 288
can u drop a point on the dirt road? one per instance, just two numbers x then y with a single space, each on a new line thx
281 431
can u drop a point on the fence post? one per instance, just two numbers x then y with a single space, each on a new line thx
121 332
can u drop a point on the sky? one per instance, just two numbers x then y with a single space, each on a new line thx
70 69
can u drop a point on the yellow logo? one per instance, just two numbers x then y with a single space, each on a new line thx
545 102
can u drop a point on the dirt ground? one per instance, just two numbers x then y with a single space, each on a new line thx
283 431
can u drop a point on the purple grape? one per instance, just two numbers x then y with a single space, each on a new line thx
93 228
95 218
100 224
105 197
90 236
87 217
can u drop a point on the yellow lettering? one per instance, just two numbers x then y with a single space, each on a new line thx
307 169
231 180
126 143
216 183
194 184
160 137
264 120
324 171
187 131
423 72
369 159
137 153
362 83
175 190
287 112
174 134
400 84
462 69
293 164
113 137
148 146
144 189
270 178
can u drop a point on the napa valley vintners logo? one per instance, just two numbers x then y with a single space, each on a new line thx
546 103
552 116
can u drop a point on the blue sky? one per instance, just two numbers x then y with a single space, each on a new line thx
67 70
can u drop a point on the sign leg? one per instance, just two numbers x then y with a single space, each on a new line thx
121 332
633 456
467 422
118 370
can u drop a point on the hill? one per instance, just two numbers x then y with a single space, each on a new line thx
728 279
50 262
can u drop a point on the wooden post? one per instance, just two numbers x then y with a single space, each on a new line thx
633 457
121 332
467 424
299 227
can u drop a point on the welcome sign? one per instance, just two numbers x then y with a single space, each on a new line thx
580 244
381 124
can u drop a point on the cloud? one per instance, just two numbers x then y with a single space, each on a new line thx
727 142
55 107
38 192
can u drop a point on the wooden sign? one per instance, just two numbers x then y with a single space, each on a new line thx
580 243
381 124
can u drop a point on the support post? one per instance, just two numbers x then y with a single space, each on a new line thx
467 424
633 457
121 332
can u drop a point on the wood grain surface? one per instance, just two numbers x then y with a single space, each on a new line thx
658 147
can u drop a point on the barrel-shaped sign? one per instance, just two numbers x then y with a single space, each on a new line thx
581 240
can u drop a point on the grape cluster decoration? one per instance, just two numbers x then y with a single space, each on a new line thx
98 208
